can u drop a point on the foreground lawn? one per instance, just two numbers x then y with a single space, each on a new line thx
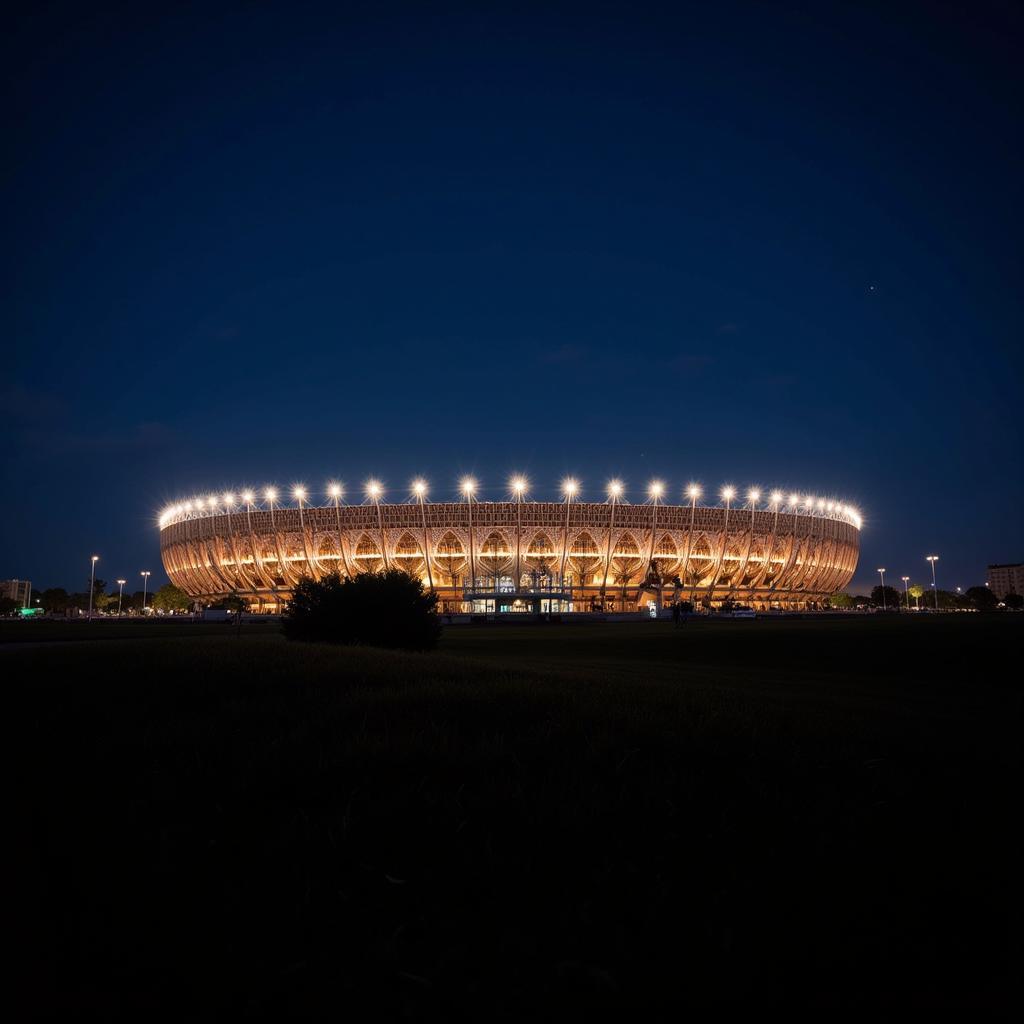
532 821
48 631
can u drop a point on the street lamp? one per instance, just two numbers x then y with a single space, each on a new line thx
881 572
145 587
933 559
92 583
906 589
120 592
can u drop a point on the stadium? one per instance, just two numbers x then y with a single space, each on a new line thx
785 551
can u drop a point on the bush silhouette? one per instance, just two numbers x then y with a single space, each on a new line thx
386 609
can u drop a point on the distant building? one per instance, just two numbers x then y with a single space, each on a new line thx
1006 579
17 590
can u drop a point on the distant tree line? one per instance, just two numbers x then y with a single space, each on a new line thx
57 601
979 598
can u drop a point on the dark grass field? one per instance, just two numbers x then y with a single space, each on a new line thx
532 822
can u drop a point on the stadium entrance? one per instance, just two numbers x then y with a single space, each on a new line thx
498 595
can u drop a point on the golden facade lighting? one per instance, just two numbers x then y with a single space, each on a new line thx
793 550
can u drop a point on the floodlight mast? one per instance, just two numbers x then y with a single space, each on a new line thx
569 488
614 493
728 493
374 490
693 492
299 493
419 488
654 490
468 489
282 566
935 589
753 495
337 492
242 575
775 499
519 486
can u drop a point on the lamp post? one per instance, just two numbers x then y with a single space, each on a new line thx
906 589
881 572
935 590
92 583
145 587
120 593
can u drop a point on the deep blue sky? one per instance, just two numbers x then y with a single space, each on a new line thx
746 244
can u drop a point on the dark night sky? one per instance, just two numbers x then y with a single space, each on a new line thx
738 244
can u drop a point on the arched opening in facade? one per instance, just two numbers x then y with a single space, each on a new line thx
367 555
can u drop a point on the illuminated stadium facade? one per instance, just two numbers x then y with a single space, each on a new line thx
518 555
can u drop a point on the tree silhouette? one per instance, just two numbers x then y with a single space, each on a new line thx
385 609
